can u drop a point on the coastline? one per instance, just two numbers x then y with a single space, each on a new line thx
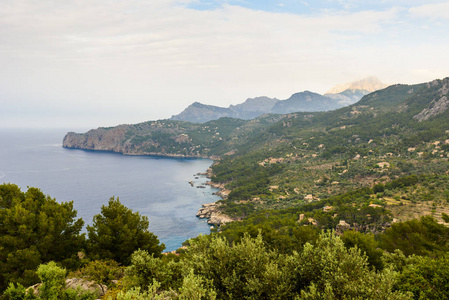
141 153
211 211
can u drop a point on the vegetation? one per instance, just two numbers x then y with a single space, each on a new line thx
347 204
35 229
117 232
272 254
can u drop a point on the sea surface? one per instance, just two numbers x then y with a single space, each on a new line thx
156 187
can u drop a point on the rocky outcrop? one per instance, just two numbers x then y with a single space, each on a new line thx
222 192
78 284
101 139
211 211
436 106
86 285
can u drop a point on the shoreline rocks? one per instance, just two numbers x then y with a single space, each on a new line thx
211 211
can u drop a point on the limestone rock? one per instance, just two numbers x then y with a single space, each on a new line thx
78 283
86 285
212 212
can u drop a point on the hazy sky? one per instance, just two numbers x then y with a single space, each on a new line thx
91 63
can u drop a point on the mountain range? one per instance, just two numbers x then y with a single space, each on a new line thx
306 101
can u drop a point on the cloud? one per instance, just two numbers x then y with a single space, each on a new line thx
158 57
431 11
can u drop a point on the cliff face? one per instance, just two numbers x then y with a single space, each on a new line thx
170 138
440 101
154 138
99 139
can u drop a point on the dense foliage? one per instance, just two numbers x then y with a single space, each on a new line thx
271 254
35 229
118 231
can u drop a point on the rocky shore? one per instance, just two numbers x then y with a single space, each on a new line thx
211 211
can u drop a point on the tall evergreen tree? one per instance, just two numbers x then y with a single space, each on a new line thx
118 231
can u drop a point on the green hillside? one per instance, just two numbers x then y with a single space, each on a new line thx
282 161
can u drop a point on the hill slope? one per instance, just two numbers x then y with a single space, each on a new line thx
279 161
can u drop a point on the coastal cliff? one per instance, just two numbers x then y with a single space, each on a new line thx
170 138
150 138
100 139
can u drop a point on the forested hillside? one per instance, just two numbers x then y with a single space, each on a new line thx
397 132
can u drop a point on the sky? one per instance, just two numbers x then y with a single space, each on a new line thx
91 63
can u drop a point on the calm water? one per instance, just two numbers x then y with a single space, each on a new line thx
154 186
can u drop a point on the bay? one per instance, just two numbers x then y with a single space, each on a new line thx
156 187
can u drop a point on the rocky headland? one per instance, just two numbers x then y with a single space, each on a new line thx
161 138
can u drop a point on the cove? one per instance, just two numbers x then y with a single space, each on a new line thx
155 186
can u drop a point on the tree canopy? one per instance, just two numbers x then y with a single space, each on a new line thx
35 229
118 231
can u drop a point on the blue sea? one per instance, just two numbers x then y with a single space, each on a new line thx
156 187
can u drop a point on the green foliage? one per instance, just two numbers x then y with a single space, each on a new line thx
53 285
145 269
425 277
118 231
196 288
367 245
328 270
445 217
421 237
278 229
18 292
152 292
102 272
35 229
246 270
53 281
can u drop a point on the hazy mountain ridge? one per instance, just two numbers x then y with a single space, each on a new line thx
305 101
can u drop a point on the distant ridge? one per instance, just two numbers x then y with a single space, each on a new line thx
337 97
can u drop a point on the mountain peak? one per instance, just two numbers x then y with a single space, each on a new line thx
370 84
